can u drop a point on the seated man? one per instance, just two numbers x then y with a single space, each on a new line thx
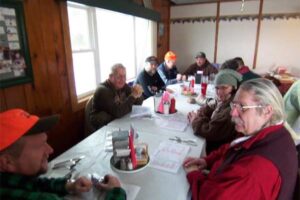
244 70
260 165
149 79
168 70
114 98
24 153
201 64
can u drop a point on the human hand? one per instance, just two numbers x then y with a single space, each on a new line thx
136 91
192 163
178 77
191 100
191 116
109 183
191 168
80 185
153 88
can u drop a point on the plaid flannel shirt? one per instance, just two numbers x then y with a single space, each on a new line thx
15 186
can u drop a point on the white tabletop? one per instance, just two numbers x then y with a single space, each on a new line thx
153 183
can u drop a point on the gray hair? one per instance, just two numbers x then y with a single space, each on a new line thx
115 68
266 93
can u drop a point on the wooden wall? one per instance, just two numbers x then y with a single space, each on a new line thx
163 41
50 93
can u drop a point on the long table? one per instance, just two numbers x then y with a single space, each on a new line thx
153 183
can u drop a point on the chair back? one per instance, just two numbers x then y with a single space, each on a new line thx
88 127
297 188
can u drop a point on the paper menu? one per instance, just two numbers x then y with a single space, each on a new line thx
140 111
174 122
169 156
173 125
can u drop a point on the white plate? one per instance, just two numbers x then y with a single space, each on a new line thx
127 171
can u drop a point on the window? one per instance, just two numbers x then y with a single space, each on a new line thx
101 38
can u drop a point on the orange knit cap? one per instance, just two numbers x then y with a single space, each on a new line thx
170 55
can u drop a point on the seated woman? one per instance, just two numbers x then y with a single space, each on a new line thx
213 121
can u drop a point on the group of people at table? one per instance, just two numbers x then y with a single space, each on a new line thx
250 154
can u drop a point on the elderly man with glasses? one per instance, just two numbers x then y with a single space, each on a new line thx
262 164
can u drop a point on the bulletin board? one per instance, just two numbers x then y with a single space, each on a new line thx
15 65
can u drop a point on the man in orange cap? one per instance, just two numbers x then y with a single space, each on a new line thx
168 70
24 153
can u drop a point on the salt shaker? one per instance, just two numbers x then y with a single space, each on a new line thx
157 98
166 107
129 165
123 164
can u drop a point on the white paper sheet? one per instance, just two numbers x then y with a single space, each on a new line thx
169 156
140 111
174 122
173 125
131 191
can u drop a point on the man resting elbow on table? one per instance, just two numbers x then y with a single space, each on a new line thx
168 70
114 98
24 153
262 164
212 121
149 78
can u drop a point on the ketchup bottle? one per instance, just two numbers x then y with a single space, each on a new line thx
172 106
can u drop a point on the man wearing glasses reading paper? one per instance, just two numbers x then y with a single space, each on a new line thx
260 165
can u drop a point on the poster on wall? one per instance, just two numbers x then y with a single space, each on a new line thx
15 66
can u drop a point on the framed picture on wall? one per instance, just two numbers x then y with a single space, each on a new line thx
15 65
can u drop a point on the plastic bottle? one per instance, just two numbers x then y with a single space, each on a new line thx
172 106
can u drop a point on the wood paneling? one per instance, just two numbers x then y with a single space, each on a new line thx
163 42
50 91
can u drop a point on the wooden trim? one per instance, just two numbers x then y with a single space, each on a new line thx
252 17
76 104
168 28
126 7
206 2
217 31
258 33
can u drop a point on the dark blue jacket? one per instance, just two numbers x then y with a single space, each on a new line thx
167 75
147 81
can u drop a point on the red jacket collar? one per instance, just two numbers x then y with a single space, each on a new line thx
259 136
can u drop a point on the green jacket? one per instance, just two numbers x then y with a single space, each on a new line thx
292 103
109 104
15 186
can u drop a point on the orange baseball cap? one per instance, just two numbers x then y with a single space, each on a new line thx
16 123
170 55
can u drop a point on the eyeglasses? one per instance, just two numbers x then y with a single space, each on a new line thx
242 108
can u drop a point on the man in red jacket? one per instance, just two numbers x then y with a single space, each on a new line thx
262 164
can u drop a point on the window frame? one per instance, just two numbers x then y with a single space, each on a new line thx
78 101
